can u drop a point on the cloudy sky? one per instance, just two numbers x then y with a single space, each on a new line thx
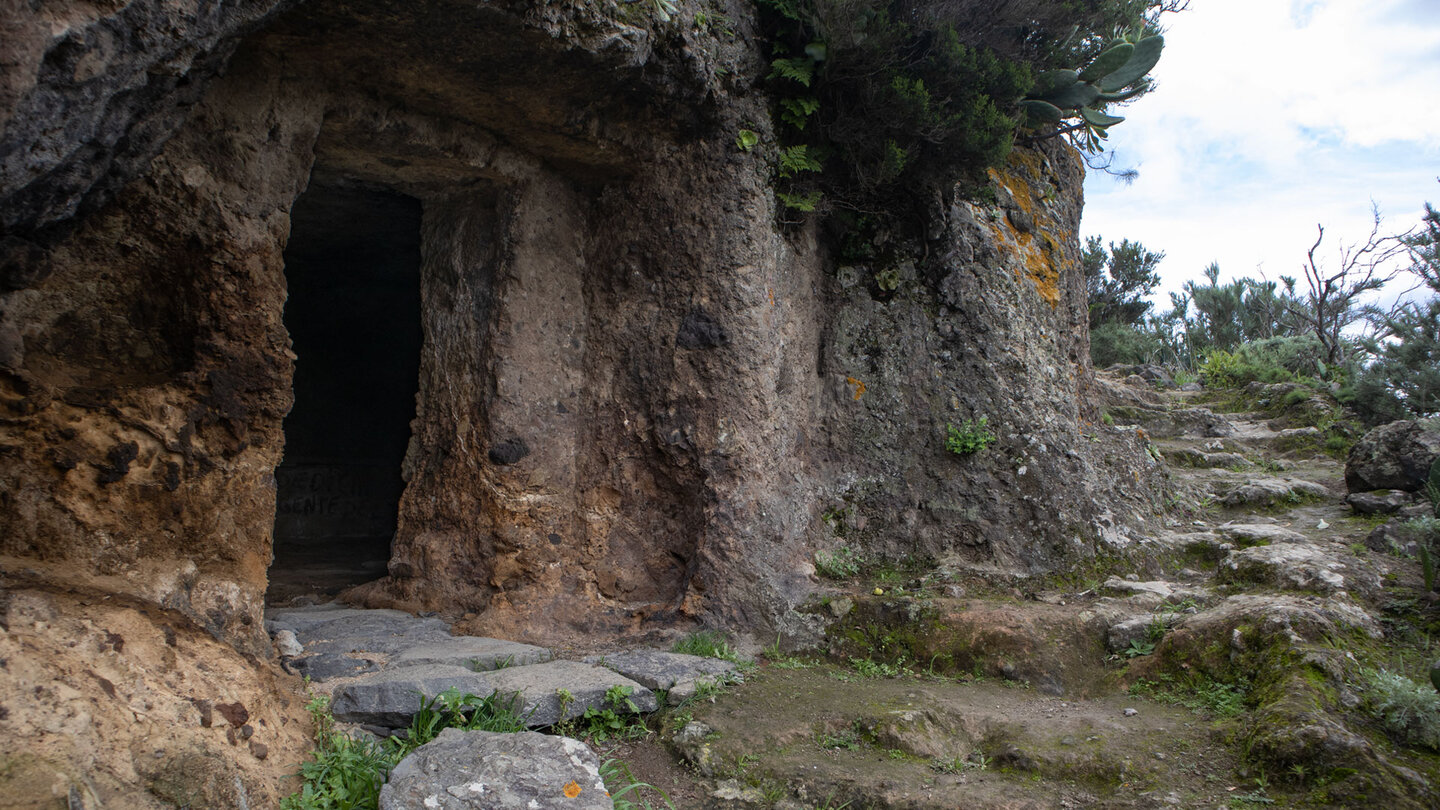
1272 116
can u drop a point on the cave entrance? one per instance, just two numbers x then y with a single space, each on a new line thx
352 266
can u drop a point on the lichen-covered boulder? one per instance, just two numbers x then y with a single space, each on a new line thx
470 770
1394 456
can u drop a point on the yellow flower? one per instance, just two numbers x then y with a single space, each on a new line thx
572 790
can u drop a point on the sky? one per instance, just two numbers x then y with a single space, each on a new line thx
1270 117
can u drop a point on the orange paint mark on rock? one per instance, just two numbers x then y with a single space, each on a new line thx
859 386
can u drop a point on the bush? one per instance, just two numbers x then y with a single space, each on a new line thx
1113 342
1272 360
1408 711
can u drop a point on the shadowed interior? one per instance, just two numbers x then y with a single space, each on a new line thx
352 267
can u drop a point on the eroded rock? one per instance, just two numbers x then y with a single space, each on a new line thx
1394 456
482 770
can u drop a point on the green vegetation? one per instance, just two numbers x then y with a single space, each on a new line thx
627 792
884 98
709 644
1118 74
1196 693
345 772
616 718
842 562
1382 364
1408 711
971 437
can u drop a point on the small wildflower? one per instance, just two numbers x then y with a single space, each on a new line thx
879 591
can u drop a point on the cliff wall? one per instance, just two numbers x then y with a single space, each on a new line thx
641 399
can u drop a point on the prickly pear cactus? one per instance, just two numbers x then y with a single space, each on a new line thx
1118 74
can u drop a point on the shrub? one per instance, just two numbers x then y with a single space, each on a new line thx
1113 342
1272 360
1407 710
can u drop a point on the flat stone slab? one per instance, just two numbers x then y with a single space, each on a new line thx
472 652
378 631
537 687
390 697
1289 565
1272 491
328 666
483 770
299 619
1252 534
680 674
1158 588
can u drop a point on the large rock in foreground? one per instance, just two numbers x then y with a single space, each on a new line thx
470 770
1394 456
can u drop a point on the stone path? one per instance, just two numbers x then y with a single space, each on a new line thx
377 665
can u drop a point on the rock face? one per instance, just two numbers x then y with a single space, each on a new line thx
639 396
1394 456
636 397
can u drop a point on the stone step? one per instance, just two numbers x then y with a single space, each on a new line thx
538 690
472 652
389 698
680 675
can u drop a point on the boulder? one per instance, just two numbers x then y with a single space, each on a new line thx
1394 456
1374 503
1290 566
1271 491
475 770
1260 534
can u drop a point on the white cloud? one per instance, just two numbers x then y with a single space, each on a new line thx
1273 116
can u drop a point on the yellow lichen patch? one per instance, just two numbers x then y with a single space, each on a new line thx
572 790
859 386
1016 178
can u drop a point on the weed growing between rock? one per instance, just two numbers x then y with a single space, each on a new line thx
971 437
708 644
345 772
627 792
1201 695
841 563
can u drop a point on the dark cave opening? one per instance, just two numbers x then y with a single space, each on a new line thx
352 267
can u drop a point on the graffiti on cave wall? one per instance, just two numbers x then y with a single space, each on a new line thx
326 501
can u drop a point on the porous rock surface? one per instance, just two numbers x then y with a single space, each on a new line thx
1394 456
471 770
